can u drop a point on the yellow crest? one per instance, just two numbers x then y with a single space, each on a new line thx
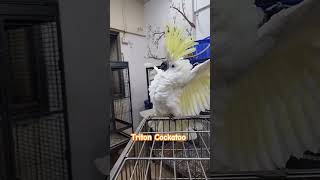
177 44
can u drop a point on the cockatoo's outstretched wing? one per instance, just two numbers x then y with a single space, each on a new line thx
195 96
272 109
241 44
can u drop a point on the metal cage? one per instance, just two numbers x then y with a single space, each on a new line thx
121 124
165 160
33 121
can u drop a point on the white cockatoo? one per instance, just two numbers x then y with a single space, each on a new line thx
269 108
181 89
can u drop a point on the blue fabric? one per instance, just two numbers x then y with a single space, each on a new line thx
202 44
148 104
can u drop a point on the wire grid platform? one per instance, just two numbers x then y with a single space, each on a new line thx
167 160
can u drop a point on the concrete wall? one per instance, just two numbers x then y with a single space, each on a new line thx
84 38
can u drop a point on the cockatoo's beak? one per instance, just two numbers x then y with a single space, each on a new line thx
155 68
165 65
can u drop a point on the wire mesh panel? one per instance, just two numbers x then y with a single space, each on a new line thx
36 106
50 54
40 148
121 125
156 158
2 156
121 94
122 108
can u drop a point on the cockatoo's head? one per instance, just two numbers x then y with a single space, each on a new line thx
182 65
178 45
176 72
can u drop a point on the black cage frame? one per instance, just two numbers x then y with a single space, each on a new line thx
121 93
34 135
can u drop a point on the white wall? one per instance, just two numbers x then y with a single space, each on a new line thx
134 52
127 15
158 14
202 18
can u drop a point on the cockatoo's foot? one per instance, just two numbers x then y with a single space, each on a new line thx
171 116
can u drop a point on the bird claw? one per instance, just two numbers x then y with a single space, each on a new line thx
171 116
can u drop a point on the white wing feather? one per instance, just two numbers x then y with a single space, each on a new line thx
195 96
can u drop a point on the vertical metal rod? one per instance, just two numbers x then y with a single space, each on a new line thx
140 165
188 128
130 168
148 165
174 161
205 145
127 169
134 168
160 173
188 166
155 169
204 172
131 118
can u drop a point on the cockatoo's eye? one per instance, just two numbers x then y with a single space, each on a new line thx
172 65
